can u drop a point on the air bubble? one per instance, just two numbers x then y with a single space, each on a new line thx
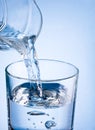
50 124
35 113
33 123
53 118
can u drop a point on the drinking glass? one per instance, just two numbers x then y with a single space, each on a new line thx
54 109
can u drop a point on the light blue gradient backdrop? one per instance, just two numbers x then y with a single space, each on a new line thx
68 34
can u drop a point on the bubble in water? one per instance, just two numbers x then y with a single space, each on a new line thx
53 118
50 124
47 114
33 123
28 119
35 113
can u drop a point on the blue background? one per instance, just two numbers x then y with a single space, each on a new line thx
68 34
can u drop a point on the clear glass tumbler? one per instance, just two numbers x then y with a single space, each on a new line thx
54 109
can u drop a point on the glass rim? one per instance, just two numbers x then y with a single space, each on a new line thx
49 80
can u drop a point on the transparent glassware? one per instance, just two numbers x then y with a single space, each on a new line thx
20 24
2 14
55 109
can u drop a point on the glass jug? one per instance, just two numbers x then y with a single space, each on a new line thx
20 24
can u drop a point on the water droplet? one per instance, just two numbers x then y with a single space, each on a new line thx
50 124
